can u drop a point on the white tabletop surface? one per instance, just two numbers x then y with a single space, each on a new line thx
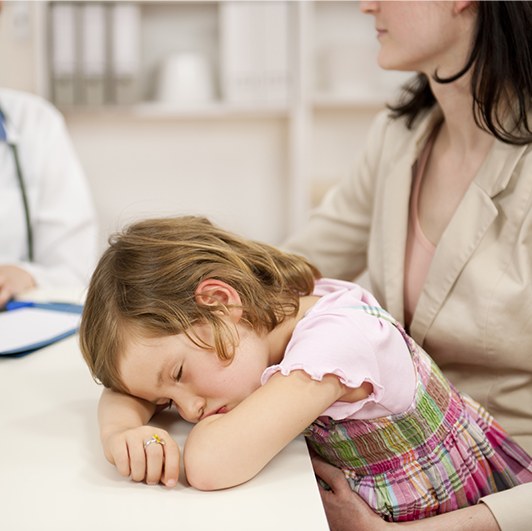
53 475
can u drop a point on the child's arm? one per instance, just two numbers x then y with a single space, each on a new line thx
226 450
123 431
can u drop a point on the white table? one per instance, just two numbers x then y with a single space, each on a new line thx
53 475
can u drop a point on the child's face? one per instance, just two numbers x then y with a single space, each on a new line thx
173 368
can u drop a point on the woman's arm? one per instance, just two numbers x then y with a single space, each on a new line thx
226 450
346 511
123 431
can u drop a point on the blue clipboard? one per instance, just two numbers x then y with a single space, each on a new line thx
27 326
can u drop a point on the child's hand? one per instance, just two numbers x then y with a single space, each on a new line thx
137 453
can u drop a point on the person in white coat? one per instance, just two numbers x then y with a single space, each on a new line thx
48 227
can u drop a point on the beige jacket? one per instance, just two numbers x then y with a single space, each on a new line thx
474 315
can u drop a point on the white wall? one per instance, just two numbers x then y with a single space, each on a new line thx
230 170
233 169
22 49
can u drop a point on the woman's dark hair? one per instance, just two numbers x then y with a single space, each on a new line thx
501 66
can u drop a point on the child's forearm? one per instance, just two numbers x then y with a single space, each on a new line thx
117 412
225 450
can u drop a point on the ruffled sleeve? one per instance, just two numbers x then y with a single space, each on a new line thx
356 347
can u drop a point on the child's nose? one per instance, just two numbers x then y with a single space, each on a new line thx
190 406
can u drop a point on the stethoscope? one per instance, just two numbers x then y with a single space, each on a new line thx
20 179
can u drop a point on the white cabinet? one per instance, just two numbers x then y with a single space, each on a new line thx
181 54
242 111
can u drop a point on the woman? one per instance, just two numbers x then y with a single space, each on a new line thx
439 212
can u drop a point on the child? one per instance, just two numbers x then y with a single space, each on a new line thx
249 343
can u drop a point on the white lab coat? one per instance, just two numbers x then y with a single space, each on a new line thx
62 214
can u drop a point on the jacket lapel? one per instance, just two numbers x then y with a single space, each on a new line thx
473 217
394 227
395 200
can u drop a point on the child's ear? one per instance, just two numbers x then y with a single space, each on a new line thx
214 292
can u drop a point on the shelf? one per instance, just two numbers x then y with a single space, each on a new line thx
297 79
162 111
213 110
344 102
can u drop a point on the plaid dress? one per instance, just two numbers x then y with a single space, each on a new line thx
445 452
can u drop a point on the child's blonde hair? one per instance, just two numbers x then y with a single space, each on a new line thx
146 280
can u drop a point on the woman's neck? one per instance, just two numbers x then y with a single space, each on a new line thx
462 134
453 160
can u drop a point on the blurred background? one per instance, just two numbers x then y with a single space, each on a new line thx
246 112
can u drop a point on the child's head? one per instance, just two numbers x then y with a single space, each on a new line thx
146 281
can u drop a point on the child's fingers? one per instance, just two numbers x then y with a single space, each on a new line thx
120 458
154 463
137 459
171 464
141 455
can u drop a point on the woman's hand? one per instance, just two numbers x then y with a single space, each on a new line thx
153 463
345 510
13 280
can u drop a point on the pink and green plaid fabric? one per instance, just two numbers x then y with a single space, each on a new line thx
443 453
